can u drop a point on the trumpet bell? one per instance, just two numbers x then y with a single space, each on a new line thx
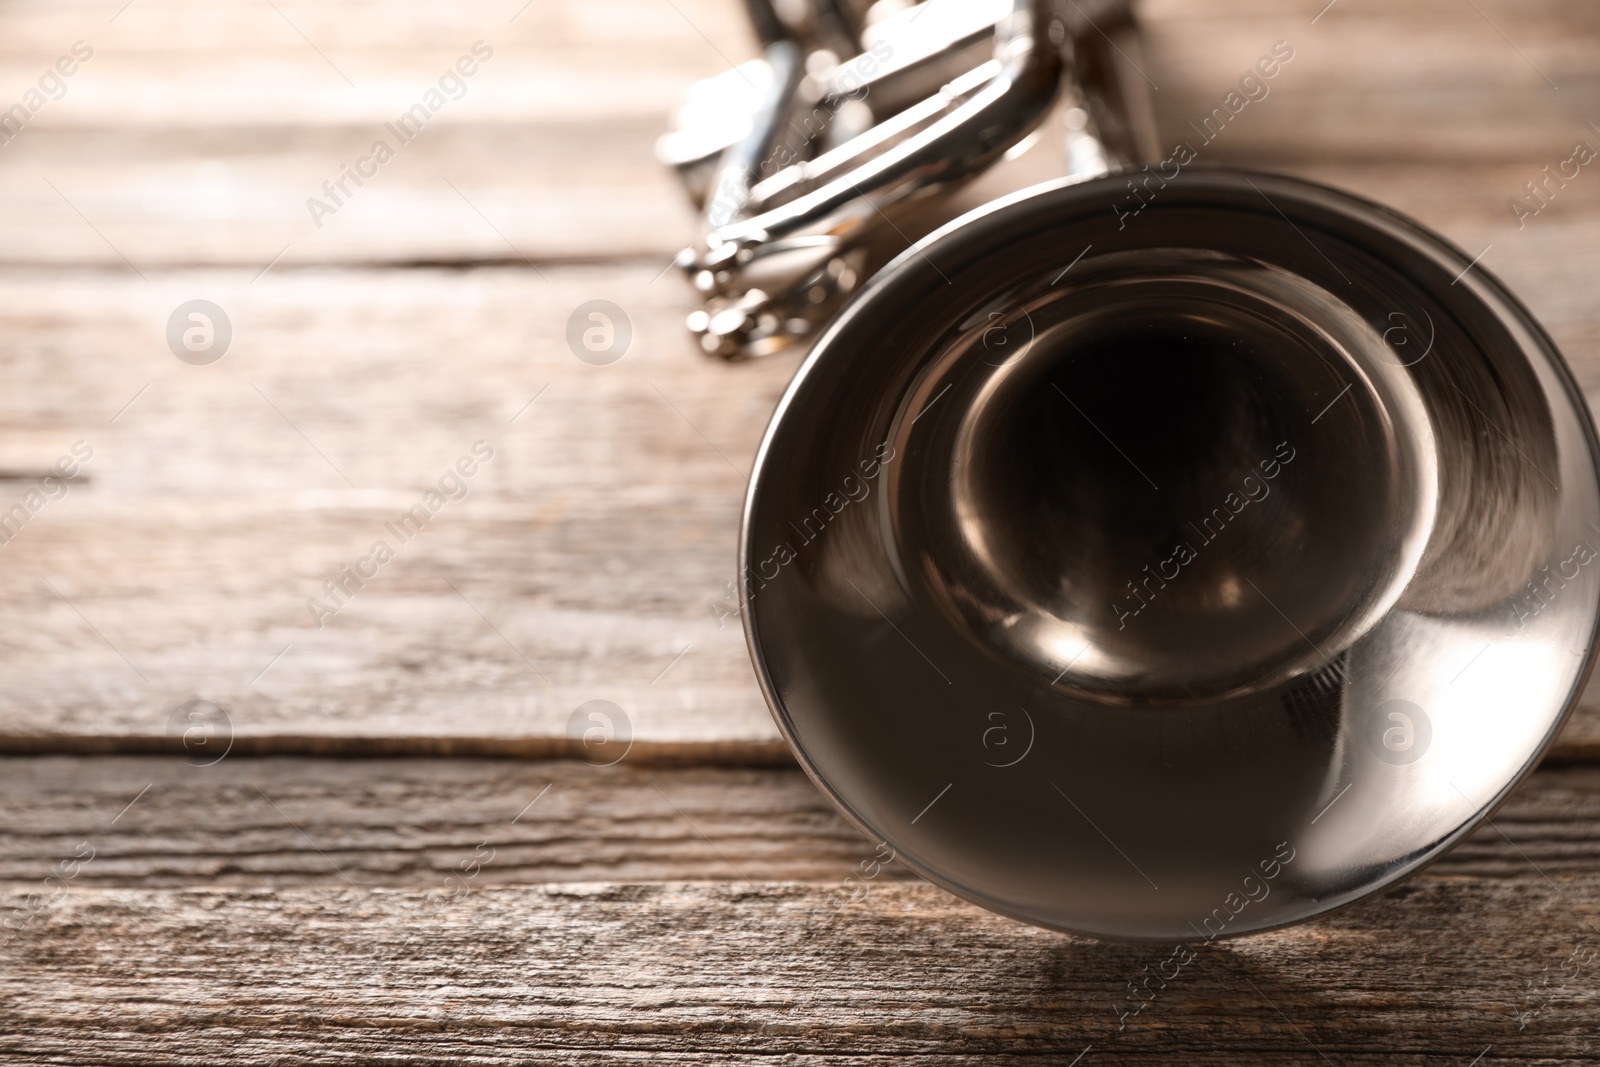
1174 562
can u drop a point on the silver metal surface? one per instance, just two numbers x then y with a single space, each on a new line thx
779 254
1177 559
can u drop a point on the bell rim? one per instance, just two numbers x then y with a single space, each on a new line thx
1045 198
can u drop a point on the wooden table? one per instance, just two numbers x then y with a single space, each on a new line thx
249 885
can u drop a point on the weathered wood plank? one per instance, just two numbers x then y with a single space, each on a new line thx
578 566
209 64
198 131
1431 81
1437 972
411 822
585 559
279 822
546 191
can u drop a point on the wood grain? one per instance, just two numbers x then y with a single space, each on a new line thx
412 822
579 565
282 822
198 131
1437 972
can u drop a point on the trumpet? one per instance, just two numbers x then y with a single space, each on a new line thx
1161 551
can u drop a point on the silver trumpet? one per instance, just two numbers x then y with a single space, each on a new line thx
1163 551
